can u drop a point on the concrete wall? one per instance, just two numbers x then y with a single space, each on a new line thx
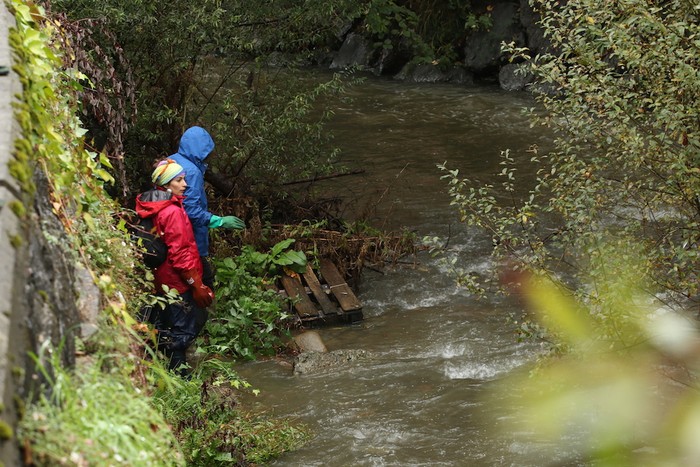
12 259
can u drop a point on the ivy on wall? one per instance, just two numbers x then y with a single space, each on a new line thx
53 141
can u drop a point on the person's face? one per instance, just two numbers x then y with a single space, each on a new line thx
177 185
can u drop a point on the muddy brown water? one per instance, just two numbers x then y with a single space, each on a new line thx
436 351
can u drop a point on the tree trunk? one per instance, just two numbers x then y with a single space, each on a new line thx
223 185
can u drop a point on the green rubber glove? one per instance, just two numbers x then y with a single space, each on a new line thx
214 222
227 222
232 222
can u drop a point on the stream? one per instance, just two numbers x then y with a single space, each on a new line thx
420 399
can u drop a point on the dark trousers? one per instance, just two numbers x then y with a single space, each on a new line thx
178 326
207 272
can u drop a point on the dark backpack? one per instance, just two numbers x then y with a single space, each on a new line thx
154 251
143 232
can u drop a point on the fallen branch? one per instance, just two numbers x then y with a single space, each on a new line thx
326 177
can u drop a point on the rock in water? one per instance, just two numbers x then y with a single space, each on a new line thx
314 362
310 341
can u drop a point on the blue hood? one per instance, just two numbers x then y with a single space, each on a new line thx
196 144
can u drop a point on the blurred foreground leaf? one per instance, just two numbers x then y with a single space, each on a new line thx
633 406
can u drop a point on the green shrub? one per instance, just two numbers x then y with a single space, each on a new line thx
272 263
250 319
206 417
620 97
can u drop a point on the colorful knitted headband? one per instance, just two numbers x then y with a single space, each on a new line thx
165 171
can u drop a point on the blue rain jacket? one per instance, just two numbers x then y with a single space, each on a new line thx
195 145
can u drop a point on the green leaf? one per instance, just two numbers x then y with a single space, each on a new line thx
281 246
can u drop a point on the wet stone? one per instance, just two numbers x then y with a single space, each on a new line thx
310 341
318 362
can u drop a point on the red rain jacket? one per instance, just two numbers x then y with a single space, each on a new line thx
174 227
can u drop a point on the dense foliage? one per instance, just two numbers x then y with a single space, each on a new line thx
223 65
604 249
251 319
52 141
212 429
426 31
621 95
153 69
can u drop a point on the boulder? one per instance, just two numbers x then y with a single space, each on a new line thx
392 60
514 77
355 51
316 362
89 297
310 341
535 39
482 49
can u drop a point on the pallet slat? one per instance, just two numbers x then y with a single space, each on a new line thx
303 305
340 289
315 285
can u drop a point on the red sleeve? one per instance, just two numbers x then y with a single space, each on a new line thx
176 232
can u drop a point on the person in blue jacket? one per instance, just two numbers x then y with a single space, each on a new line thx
195 146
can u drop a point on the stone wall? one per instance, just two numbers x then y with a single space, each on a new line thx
38 292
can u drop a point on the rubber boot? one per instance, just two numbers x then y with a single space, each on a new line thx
178 363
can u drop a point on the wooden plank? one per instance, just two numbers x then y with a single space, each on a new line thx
312 281
302 303
345 296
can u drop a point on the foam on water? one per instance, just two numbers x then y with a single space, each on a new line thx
455 370
478 371
454 350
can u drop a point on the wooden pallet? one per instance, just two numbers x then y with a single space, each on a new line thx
324 298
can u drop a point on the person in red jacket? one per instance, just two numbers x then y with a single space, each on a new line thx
179 323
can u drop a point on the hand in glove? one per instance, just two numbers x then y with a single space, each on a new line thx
232 222
228 222
203 296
